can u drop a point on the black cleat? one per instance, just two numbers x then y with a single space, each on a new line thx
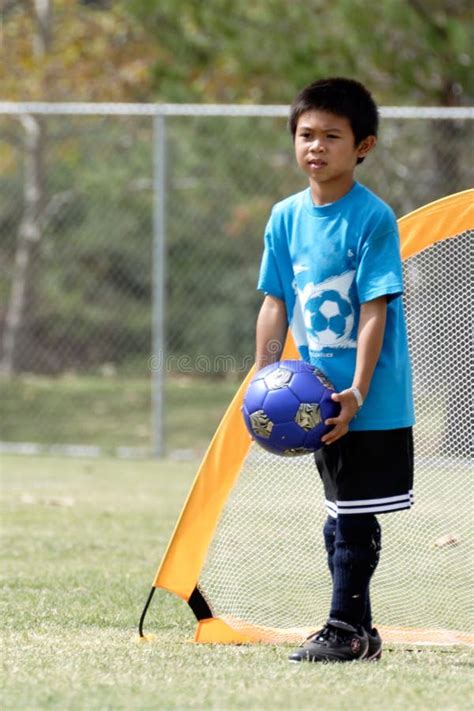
374 652
336 642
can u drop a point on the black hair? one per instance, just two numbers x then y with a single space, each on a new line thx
342 97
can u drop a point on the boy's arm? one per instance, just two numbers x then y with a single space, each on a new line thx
370 335
271 331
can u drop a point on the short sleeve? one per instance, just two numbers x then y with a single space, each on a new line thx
379 270
269 280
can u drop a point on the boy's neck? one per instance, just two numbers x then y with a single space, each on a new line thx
327 192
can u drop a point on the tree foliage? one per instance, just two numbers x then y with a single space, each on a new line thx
95 52
415 52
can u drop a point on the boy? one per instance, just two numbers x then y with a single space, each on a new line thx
331 270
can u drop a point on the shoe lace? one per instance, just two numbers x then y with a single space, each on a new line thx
326 634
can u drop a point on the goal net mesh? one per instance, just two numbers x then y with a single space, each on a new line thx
266 566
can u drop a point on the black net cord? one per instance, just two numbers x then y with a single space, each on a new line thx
145 610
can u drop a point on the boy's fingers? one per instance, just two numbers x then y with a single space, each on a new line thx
339 431
343 421
335 434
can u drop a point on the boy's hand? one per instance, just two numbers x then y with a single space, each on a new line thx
349 409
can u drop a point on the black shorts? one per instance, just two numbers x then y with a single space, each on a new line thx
368 472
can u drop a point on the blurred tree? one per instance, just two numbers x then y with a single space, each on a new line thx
96 52
31 224
53 51
416 52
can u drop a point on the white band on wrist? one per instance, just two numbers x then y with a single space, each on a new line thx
358 396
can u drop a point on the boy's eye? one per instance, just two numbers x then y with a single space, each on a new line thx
331 135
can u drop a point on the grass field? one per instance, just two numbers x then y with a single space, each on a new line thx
81 542
110 410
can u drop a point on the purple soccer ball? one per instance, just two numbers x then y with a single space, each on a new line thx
286 405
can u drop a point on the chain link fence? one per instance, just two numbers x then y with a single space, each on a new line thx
130 240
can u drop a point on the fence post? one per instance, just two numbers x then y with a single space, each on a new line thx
159 275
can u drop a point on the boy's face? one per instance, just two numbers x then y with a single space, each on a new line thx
325 147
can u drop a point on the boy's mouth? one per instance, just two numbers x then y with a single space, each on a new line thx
317 163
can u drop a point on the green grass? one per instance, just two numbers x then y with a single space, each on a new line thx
81 543
110 411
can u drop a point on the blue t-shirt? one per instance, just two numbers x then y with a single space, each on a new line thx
324 262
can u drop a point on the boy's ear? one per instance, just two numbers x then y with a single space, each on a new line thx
366 146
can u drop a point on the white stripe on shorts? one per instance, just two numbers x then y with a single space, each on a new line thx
331 508
382 505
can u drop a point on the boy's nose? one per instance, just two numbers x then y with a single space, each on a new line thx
317 145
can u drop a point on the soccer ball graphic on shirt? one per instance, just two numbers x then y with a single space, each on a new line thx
286 405
328 313
331 318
